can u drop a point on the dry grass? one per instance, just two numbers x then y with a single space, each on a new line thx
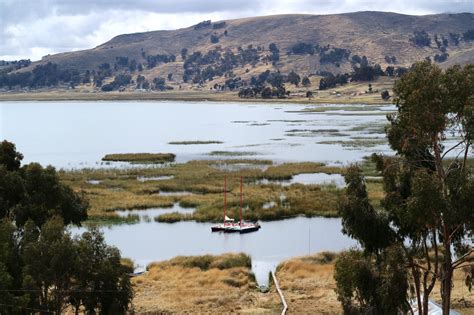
461 299
204 94
308 284
177 286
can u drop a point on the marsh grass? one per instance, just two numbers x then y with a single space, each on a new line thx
119 190
357 142
113 220
196 285
232 153
206 262
140 157
191 142
370 128
323 109
173 217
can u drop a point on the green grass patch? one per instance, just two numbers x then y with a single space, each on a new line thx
140 157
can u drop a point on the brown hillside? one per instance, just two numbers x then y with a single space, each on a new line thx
373 34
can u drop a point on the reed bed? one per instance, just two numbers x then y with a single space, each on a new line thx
140 157
120 189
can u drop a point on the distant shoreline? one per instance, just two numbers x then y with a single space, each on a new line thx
179 96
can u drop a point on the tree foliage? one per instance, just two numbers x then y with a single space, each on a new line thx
42 267
429 188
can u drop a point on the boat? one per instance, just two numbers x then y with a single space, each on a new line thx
229 225
228 222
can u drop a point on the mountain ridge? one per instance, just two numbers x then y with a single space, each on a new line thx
231 54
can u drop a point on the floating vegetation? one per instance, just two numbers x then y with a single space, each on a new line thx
140 157
259 124
339 109
191 142
232 153
357 143
289 120
315 133
370 128
243 121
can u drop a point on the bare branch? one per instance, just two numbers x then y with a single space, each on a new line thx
452 148
463 258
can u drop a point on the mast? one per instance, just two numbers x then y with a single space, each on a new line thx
241 201
225 197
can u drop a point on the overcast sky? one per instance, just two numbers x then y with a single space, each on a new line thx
34 28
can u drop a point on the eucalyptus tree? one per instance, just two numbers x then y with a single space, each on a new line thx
428 208
42 268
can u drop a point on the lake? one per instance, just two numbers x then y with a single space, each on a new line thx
79 134
276 241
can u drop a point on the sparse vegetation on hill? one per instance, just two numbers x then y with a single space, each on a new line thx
233 60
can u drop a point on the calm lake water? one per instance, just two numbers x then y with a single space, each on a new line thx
79 134
276 241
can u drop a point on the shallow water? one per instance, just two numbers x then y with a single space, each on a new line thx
276 241
308 179
153 178
78 134
150 214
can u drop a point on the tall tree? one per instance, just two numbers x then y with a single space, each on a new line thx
428 208
41 266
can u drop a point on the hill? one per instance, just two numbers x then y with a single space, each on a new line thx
211 53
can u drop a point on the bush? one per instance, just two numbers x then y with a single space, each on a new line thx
468 36
441 58
303 49
107 87
306 81
420 39
214 39
385 95
202 25
334 55
218 25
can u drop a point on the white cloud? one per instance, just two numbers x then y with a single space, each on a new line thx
34 28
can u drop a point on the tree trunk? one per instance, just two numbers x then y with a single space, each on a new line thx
416 278
425 303
446 282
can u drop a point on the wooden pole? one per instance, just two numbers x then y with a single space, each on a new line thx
241 200
225 197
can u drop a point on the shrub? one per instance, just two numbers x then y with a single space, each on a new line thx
214 39
303 49
420 39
